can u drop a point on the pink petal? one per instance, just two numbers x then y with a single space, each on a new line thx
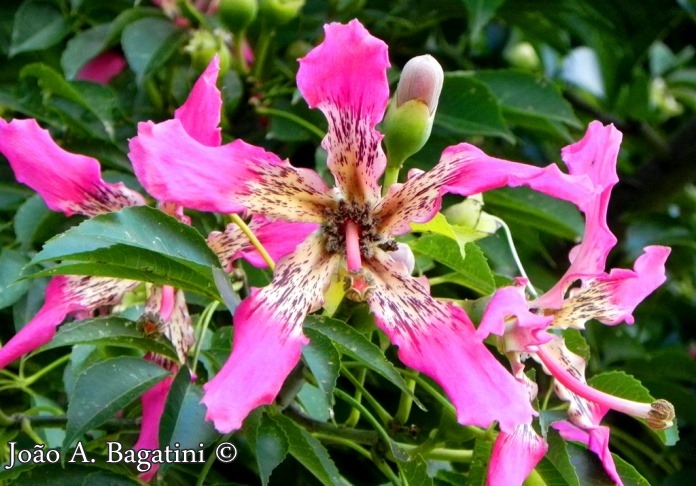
439 340
264 353
103 68
200 113
65 295
417 200
611 298
521 334
153 401
278 238
345 77
596 439
478 172
174 167
514 456
67 182
268 336
593 156
168 305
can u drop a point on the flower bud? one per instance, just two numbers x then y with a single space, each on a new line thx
279 12
469 214
411 112
237 15
203 46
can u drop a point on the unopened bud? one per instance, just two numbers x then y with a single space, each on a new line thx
469 213
203 46
661 415
279 12
411 112
237 15
421 79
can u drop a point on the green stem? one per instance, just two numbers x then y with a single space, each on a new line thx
294 118
343 441
354 416
253 240
405 402
441 453
238 54
202 326
209 463
515 256
383 415
366 413
261 51
391 176
29 381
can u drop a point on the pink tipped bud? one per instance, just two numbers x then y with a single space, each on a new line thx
421 79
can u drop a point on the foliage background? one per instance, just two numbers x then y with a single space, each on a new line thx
523 79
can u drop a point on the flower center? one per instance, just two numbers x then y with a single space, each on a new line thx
350 228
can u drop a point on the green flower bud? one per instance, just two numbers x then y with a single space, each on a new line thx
469 214
279 12
237 15
411 112
203 46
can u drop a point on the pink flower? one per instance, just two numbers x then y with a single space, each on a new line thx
103 68
608 297
514 456
345 77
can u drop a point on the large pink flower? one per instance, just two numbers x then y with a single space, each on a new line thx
345 77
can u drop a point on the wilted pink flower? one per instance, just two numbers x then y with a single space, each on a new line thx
345 77
585 292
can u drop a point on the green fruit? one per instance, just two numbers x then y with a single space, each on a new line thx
237 15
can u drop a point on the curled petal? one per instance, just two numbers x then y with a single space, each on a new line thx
200 113
508 314
278 238
611 298
596 439
174 167
169 306
478 172
514 456
67 182
65 295
345 77
594 156
268 336
439 340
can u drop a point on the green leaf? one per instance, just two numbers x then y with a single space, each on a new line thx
415 471
628 473
11 262
183 424
95 99
468 107
104 389
358 347
471 271
575 342
148 43
480 13
532 209
323 360
438 225
557 462
12 196
308 451
622 385
83 47
479 463
587 466
113 331
70 475
270 445
525 95
37 26
139 243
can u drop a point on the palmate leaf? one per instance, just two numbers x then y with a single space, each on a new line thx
139 243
